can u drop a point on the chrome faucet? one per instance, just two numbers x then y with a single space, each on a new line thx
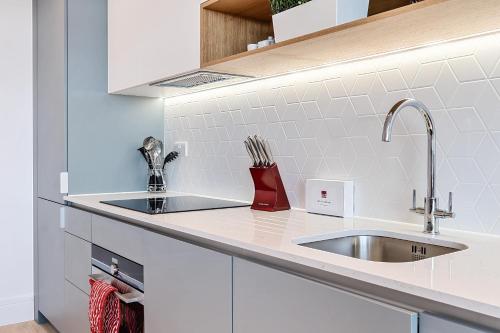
431 209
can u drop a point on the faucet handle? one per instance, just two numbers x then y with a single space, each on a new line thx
443 214
414 201
414 208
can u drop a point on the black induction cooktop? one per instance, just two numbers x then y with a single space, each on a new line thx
164 205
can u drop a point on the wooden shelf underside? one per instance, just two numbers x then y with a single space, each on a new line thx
259 10
411 26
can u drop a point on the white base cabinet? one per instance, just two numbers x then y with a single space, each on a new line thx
191 289
270 301
187 289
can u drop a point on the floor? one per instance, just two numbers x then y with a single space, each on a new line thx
27 327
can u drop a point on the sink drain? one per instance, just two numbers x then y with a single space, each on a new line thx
418 252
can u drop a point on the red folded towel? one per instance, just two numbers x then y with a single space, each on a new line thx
104 308
132 314
133 318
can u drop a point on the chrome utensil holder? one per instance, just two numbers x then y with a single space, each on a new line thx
156 181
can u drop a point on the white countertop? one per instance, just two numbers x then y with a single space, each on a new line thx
468 279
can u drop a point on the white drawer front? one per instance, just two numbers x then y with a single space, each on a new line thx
78 223
76 305
266 300
118 237
434 324
77 266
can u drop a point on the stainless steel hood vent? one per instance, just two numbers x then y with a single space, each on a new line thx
196 79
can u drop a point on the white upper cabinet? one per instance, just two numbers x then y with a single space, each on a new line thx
149 40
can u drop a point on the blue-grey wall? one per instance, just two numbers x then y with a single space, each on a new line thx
104 130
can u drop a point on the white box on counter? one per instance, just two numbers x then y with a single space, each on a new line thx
330 197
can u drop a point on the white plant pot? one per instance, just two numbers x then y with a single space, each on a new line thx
317 15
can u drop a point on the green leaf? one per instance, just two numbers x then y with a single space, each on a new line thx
278 6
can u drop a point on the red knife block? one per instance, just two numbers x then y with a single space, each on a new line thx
270 193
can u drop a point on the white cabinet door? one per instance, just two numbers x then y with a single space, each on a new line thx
150 40
187 288
76 305
51 103
266 300
51 262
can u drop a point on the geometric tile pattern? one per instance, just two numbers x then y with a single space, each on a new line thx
327 123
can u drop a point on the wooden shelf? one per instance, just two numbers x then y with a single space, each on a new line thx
259 10
415 25
228 26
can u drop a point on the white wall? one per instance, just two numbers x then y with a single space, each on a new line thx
328 123
16 159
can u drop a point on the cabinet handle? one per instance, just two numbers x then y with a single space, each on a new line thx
63 183
62 217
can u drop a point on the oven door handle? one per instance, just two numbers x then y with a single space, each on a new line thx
130 298
134 296
115 272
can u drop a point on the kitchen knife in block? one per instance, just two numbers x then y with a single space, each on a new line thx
270 193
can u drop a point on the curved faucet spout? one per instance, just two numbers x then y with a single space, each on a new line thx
431 137
408 102
430 201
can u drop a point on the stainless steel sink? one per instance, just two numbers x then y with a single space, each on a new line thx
383 248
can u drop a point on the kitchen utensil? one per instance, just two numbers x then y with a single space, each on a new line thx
156 151
148 143
148 146
268 151
152 151
144 154
260 143
258 154
170 157
255 149
160 147
251 154
256 143
259 151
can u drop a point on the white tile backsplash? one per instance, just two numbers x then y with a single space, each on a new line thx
327 123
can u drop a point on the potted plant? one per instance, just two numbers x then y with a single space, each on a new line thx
294 18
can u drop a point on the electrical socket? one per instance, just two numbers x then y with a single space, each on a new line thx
182 148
